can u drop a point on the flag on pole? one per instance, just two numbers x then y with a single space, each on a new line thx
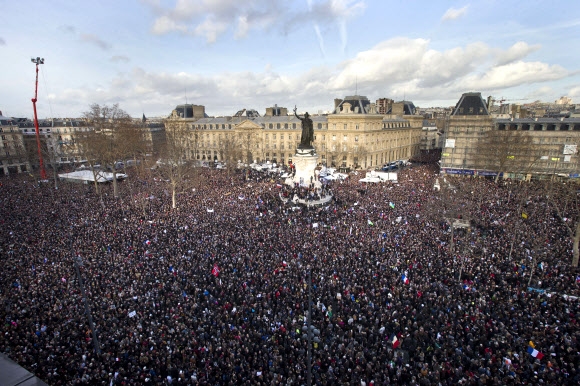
535 353
405 279
215 270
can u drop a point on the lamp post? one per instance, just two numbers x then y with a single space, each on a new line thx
79 262
309 329
38 61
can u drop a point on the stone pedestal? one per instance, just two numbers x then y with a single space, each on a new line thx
305 161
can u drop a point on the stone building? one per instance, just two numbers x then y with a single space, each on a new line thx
57 141
478 144
354 135
12 157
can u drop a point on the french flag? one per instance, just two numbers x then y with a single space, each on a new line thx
395 341
405 279
535 353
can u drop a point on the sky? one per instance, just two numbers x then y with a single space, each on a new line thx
149 56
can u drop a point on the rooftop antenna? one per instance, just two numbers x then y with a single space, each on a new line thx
38 61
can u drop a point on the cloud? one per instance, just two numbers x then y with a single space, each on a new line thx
95 40
516 52
515 74
211 19
454 13
69 29
395 68
120 59
574 93
2 42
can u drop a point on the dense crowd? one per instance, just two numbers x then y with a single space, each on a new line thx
215 292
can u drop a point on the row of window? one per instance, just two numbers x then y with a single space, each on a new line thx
286 126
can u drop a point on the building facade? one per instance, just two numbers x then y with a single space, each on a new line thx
12 157
354 135
476 143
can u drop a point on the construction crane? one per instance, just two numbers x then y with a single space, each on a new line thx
492 100
38 61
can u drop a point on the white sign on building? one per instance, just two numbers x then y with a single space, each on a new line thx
570 149
450 143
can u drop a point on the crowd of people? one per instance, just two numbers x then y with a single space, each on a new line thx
215 292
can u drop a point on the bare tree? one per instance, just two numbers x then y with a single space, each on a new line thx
565 199
174 165
507 151
86 145
116 135
229 150
359 153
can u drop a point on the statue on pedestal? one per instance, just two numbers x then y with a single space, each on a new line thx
307 131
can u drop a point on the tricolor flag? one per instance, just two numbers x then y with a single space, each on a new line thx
535 353
405 279
395 341
215 270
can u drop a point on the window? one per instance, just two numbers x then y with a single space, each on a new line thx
356 127
471 109
282 136
345 126
344 137
356 138
334 137
273 136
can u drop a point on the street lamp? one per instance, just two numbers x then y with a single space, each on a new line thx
79 262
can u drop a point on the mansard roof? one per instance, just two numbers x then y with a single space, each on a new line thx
359 104
470 103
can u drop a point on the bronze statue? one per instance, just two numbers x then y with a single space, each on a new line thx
307 131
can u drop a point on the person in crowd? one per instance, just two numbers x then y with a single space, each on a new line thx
215 292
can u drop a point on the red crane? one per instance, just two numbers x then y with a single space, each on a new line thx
38 61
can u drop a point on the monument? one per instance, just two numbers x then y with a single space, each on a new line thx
305 160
